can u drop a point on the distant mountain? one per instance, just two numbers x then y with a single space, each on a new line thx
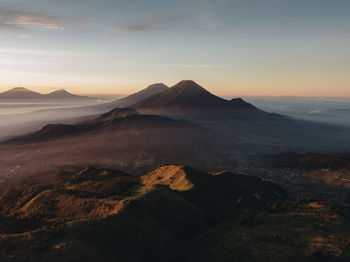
188 95
63 94
22 94
133 98
19 93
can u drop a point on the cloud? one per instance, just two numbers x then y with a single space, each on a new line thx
143 24
34 21
162 22
16 18
132 28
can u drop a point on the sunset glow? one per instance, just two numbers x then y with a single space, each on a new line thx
297 48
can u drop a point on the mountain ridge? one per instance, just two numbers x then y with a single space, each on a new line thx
123 117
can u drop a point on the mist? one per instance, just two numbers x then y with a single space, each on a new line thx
325 110
22 118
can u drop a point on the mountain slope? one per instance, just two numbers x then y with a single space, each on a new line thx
215 193
124 119
120 138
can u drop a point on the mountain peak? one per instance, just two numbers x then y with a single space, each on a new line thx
185 94
189 85
19 89
60 91
157 86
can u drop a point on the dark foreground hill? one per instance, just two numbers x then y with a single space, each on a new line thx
173 213
106 215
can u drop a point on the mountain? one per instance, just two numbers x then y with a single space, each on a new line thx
98 214
20 94
244 127
63 94
131 99
188 95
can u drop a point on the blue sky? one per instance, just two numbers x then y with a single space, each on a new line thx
232 47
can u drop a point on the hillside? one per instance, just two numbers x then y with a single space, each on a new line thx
173 213
122 120
120 138
44 215
331 169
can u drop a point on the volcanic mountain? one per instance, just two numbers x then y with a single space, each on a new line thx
133 98
21 94
189 96
63 94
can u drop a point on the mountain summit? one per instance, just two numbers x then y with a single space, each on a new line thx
187 94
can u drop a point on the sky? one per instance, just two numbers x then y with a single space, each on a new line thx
231 47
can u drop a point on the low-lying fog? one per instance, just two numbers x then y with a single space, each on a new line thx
20 118
327 110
